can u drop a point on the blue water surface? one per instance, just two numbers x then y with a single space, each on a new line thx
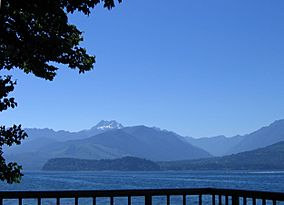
108 180
105 180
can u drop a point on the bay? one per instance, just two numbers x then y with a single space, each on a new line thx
108 180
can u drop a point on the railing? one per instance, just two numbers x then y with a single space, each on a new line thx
203 196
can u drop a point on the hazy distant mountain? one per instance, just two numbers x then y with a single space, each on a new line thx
113 141
268 158
39 138
221 145
62 135
35 133
34 160
217 146
109 140
261 138
149 143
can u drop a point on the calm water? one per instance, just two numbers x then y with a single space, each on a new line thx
266 181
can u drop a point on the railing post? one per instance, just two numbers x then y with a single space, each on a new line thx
244 201
184 199
129 200
200 199
254 201
235 200
20 201
213 199
227 200
168 200
38 201
111 200
148 200
57 201
220 199
76 201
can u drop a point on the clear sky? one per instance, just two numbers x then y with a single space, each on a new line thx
196 67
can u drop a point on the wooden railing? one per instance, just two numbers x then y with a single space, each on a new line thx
202 195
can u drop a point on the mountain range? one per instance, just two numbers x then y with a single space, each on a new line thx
111 140
268 158
114 141
218 145
221 145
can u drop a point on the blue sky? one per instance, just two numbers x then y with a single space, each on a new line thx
200 68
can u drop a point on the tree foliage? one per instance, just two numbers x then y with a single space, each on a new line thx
35 36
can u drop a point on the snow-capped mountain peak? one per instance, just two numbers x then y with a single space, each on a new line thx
107 125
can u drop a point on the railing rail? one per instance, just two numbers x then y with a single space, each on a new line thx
218 196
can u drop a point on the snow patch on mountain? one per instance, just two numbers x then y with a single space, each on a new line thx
107 125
